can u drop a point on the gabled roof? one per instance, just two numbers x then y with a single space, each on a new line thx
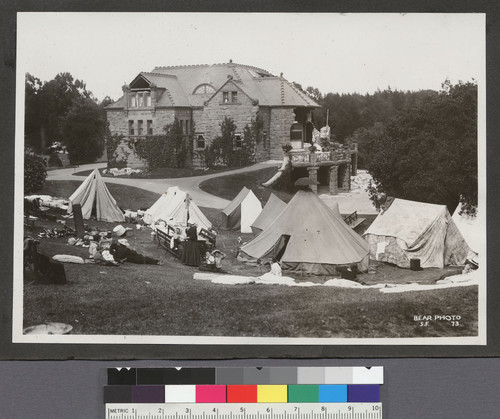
177 84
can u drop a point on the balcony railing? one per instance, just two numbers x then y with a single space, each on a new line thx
319 156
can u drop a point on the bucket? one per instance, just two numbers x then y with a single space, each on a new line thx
415 265
153 236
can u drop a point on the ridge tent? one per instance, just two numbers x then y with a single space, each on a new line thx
469 228
309 237
242 211
271 210
95 198
416 230
178 206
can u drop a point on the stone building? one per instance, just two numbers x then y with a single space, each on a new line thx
201 96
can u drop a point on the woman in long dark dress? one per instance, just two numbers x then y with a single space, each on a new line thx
191 255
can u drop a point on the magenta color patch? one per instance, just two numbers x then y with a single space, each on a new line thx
211 394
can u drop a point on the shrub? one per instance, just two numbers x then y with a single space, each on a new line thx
34 172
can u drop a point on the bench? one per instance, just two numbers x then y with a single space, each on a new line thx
164 236
353 221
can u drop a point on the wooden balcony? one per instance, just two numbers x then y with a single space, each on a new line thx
304 158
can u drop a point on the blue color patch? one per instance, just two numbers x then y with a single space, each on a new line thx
363 393
334 393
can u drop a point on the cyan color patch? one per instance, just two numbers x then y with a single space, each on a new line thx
336 393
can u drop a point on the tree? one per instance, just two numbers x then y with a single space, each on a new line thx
429 151
220 151
83 129
46 105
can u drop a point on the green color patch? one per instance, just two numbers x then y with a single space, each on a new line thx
303 393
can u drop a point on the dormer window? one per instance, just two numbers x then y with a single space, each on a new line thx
230 97
204 89
140 99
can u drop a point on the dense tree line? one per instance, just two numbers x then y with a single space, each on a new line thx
63 110
417 145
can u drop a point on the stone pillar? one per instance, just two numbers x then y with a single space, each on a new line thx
346 181
334 172
313 174
354 164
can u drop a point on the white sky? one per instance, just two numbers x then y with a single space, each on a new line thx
333 52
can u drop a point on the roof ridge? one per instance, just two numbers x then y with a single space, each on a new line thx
300 92
158 74
215 64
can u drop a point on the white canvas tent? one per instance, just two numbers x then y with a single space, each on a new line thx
242 211
176 206
95 199
469 228
416 230
308 237
271 210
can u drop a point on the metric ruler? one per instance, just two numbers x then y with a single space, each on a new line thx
244 411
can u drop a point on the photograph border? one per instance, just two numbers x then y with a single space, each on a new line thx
132 347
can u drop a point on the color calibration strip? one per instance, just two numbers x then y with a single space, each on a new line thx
246 376
261 393
244 411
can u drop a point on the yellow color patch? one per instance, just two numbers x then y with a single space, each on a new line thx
272 394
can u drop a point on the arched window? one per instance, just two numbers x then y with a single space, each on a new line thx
204 89
296 135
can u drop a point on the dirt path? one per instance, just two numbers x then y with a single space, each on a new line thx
188 184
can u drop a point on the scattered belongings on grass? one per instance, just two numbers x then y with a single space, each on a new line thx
44 270
49 328
126 171
461 280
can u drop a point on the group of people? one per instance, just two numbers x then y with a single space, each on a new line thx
192 254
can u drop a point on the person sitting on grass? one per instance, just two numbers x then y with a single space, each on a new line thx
275 267
218 256
122 252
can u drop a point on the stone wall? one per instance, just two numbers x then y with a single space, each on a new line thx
281 119
207 120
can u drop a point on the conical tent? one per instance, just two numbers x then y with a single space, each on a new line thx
178 207
309 237
469 228
416 230
95 199
242 211
271 210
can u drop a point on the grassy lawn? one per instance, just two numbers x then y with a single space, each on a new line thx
166 300
228 186
162 173
127 197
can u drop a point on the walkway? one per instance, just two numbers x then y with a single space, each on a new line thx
187 184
